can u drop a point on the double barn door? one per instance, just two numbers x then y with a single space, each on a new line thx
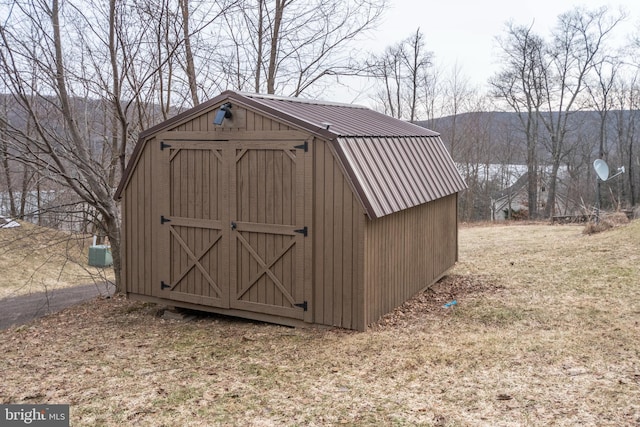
233 224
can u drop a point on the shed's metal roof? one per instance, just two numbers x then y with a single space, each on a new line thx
393 165
398 173
343 119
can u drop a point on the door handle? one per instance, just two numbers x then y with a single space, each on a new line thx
233 225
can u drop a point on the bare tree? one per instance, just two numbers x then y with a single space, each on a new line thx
434 95
577 42
5 161
458 98
600 91
290 47
388 69
627 126
474 156
404 71
520 86
416 61
51 80
544 83
190 67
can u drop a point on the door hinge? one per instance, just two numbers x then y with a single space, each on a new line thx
302 305
163 219
304 147
164 145
304 231
164 286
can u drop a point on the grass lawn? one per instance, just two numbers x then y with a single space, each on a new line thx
37 259
545 332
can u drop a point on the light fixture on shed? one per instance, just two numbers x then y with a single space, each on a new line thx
223 113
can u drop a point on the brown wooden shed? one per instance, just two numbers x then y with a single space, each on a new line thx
288 211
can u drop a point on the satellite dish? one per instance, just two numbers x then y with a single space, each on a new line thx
602 169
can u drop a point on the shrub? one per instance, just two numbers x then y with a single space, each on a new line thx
516 214
607 221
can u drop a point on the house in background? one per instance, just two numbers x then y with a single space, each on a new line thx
287 211
513 201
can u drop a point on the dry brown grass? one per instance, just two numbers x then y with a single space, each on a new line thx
37 259
545 332
606 222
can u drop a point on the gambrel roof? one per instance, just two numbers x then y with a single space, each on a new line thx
392 164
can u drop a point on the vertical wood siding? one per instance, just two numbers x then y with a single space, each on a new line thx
194 202
354 269
141 213
267 208
338 253
139 228
406 252
242 120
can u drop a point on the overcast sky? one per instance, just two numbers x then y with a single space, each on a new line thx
465 31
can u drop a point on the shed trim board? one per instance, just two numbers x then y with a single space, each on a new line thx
244 314
276 216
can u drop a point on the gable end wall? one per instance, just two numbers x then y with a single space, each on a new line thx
140 223
142 193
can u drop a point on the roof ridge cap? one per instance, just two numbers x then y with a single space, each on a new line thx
258 96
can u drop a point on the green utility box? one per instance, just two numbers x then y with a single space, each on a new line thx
100 256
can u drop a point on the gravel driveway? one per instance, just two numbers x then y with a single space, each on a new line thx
24 308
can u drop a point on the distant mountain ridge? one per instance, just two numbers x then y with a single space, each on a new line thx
502 132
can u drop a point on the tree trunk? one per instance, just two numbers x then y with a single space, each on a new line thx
112 225
550 209
38 198
191 69
631 175
532 166
275 40
25 191
260 45
7 174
